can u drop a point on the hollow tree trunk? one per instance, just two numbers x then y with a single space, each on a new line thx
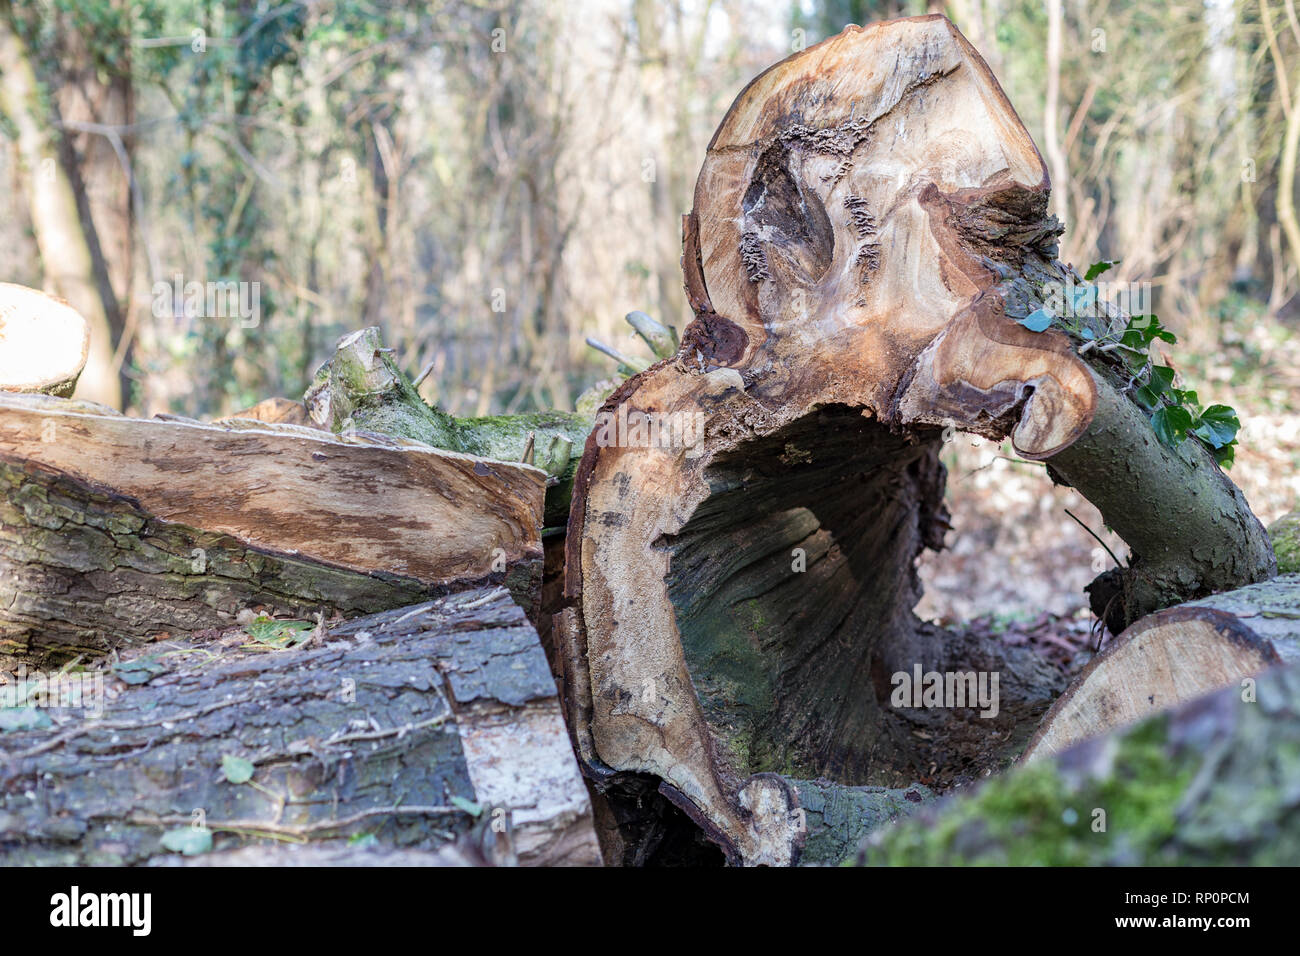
114 530
424 726
870 221
1173 656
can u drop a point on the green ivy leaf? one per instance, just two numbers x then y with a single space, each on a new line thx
469 806
1037 321
279 634
1226 455
1097 268
1162 376
237 769
1217 426
1171 423
139 671
188 841
1145 329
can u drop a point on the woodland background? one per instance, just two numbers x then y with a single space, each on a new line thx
491 182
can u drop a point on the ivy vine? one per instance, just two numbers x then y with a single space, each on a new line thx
1175 413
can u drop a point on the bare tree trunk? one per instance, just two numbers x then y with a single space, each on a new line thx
99 175
1056 160
65 250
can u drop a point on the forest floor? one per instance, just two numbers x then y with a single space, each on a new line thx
1016 562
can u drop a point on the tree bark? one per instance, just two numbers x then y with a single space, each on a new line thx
427 726
114 530
869 225
1174 656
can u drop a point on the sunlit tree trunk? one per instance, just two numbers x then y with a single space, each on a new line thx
60 236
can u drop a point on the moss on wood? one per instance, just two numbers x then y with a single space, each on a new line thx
1212 783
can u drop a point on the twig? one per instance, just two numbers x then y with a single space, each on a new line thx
1117 561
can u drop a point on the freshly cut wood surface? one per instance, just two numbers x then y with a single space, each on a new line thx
428 726
43 342
115 530
1174 656
432 515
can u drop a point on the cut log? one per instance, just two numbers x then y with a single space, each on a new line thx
870 223
1173 656
1212 783
43 342
420 726
114 530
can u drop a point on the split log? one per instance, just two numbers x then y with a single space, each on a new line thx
421 726
1174 656
1212 783
43 342
114 530
869 223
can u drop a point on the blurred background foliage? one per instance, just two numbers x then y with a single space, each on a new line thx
493 180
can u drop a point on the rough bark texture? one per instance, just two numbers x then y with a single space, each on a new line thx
870 221
464 852
838 818
1212 783
114 530
361 389
418 725
1188 526
1173 656
43 342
